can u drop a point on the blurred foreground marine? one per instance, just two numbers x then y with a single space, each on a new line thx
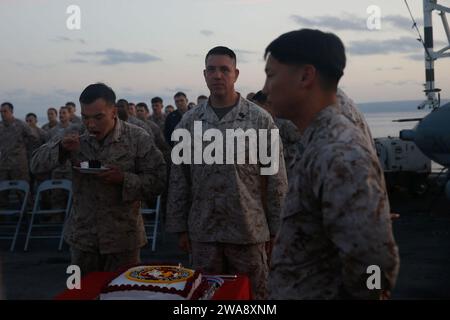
336 220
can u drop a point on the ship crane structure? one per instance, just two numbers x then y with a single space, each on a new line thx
432 133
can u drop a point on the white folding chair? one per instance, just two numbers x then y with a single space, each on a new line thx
20 186
151 222
50 185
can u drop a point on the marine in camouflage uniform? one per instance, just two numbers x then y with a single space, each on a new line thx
154 131
290 136
16 139
289 133
160 121
335 223
105 223
48 126
336 218
229 210
58 198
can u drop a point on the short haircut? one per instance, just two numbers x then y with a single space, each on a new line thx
142 104
52 109
31 114
8 104
122 106
221 51
98 91
259 97
156 100
71 104
202 97
325 51
180 94
122 103
63 108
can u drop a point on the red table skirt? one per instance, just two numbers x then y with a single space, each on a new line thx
91 285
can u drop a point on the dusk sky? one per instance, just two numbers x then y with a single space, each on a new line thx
148 48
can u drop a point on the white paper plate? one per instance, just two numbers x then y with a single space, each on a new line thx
91 170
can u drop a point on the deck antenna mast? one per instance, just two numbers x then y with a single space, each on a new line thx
432 93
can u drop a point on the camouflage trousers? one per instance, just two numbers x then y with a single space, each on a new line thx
225 258
94 261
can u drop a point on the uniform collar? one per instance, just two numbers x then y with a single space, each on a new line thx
239 112
308 134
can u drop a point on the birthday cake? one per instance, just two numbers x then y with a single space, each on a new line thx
148 282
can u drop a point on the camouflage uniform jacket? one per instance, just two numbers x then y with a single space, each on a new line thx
156 134
48 126
105 217
160 121
228 203
345 106
290 136
336 216
15 139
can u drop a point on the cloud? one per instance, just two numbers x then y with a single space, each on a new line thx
407 45
344 22
78 61
398 83
31 65
176 89
393 68
243 55
67 39
193 55
372 47
351 22
416 56
114 56
238 2
399 21
207 33
25 101
239 51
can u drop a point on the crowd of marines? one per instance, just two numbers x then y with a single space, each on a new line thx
309 231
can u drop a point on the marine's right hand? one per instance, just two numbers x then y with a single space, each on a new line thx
183 242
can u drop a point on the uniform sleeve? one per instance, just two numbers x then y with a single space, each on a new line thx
32 142
356 217
150 176
179 197
276 188
47 157
160 141
179 200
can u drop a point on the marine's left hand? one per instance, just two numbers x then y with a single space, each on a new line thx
113 176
